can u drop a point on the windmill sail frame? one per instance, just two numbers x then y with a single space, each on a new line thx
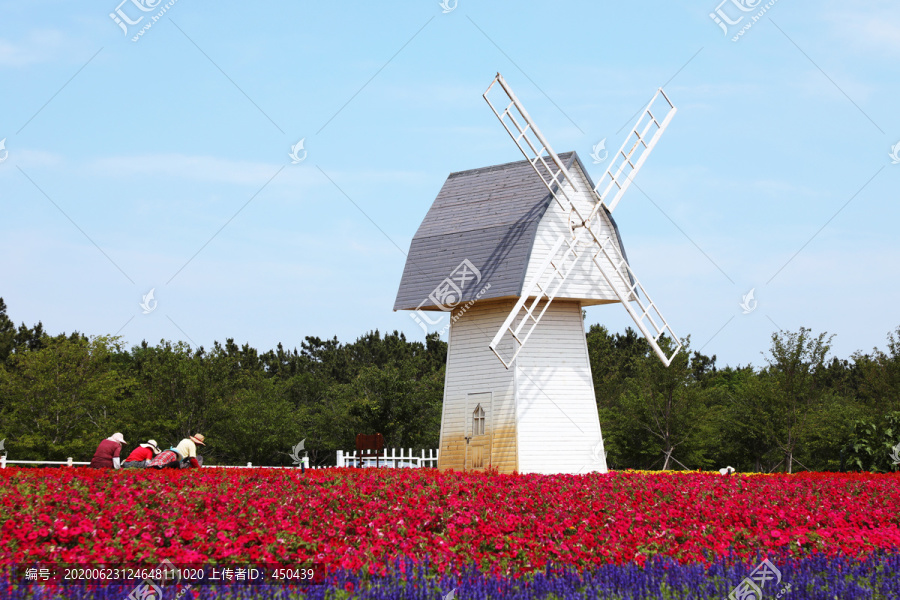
537 295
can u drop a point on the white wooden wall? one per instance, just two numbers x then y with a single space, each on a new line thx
543 416
586 282
558 424
471 369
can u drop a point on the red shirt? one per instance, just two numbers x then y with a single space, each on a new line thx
140 454
106 451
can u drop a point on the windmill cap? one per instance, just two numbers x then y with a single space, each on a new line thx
198 438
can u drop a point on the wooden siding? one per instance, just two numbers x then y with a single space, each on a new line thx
557 421
472 368
585 282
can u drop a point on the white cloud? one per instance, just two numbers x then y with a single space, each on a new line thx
245 172
873 29
37 47
200 168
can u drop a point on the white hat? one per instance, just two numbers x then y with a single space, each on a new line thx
117 437
152 445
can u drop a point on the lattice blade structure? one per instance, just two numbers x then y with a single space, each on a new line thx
646 315
536 298
640 142
532 143
565 253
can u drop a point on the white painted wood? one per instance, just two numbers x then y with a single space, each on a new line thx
478 446
585 282
557 418
543 412
472 368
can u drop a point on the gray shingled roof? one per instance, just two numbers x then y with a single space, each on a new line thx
488 216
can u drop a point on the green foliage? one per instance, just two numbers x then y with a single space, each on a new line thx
56 399
60 396
871 444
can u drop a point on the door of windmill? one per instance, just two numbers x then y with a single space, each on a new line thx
478 430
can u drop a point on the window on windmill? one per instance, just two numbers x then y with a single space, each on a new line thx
478 421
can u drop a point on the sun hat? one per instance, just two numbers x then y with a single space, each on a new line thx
117 437
198 438
152 445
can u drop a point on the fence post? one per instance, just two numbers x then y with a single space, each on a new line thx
69 462
249 464
340 458
3 462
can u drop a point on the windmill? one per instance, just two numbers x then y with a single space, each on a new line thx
512 258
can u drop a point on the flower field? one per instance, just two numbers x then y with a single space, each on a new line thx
378 530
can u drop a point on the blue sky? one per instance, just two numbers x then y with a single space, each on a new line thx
163 163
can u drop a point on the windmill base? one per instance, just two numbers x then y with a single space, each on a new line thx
539 416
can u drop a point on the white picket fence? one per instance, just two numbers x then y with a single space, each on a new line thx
68 463
350 459
344 459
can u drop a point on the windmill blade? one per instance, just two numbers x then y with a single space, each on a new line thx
646 315
532 144
536 298
643 137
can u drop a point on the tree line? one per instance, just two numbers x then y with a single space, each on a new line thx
61 394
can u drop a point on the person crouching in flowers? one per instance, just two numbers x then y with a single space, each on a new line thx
187 450
182 455
141 455
108 452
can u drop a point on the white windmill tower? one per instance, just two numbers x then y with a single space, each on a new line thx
514 257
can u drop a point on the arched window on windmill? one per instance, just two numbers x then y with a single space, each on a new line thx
478 421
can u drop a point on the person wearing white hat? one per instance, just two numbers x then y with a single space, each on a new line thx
141 455
108 452
187 449
182 455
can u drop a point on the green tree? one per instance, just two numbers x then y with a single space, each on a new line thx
796 365
62 399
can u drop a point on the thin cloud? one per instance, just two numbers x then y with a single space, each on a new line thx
38 46
874 32
198 168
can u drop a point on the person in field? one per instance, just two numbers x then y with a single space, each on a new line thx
141 455
108 452
187 450
183 455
